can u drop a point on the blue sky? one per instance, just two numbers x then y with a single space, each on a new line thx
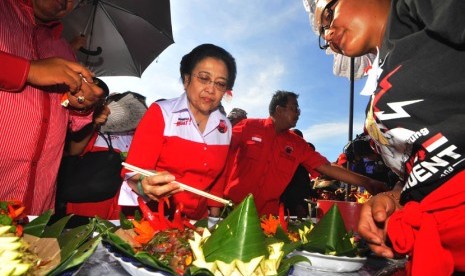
275 49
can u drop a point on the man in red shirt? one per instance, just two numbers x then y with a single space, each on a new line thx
36 69
264 154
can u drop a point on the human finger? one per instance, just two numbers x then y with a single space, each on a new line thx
160 185
82 71
368 228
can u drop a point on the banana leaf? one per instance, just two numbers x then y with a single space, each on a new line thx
117 242
238 237
55 230
72 239
330 237
62 250
80 255
103 226
122 246
149 260
288 262
37 226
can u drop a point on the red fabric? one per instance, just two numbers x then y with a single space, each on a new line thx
342 159
33 123
14 71
432 232
262 162
104 209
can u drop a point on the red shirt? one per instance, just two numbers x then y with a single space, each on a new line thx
33 123
263 162
167 139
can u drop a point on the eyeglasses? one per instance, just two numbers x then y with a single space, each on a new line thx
326 19
206 79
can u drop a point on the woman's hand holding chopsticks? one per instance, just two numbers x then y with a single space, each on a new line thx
169 189
154 186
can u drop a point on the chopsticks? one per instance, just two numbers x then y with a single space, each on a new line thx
183 186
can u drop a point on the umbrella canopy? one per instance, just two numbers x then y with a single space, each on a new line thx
130 33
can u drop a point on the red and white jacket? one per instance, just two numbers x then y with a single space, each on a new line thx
168 139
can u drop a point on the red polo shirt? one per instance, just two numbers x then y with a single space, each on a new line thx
263 162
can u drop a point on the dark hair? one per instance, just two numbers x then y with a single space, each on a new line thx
280 98
199 53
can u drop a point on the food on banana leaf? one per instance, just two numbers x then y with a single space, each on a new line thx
330 237
172 248
39 249
154 240
283 228
237 245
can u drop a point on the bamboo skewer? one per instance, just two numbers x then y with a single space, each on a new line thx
183 186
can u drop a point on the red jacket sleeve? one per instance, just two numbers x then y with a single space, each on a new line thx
148 140
13 72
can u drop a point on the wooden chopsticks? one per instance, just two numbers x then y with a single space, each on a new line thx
183 186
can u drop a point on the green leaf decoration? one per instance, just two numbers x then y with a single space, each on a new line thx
37 226
55 230
118 243
78 257
194 271
286 264
124 221
238 237
102 226
73 238
281 235
115 241
202 223
329 236
151 261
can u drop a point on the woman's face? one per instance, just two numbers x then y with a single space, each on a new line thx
354 28
206 85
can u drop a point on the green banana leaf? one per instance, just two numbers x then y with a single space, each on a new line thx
286 264
329 236
73 246
55 230
79 256
37 226
72 239
117 242
143 257
238 237
149 260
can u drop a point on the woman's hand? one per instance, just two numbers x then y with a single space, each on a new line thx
158 186
374 217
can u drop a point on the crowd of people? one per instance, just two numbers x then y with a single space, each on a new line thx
54 112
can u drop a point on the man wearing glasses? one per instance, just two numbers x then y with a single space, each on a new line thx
264 155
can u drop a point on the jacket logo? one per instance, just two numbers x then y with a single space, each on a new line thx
182 121
222 127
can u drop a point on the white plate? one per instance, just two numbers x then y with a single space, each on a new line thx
327 263
133 267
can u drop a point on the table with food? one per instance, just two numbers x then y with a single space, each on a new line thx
240 243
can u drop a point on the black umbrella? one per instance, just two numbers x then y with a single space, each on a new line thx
124 36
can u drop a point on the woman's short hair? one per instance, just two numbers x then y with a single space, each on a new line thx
190 60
